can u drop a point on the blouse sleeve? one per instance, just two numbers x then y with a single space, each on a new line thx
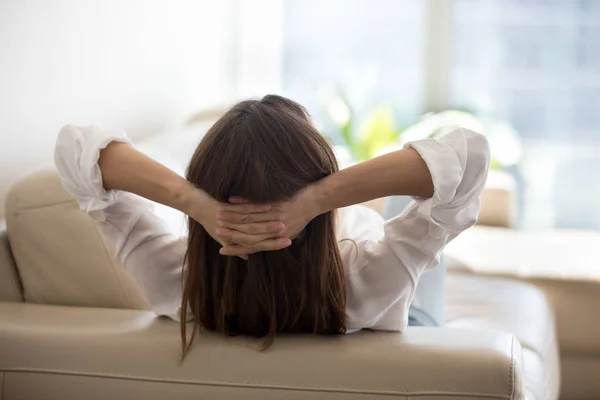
141 240
384 275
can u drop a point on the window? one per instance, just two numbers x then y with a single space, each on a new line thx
371 53
533 63
537 65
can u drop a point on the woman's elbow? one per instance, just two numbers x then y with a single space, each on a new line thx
64 148
478 149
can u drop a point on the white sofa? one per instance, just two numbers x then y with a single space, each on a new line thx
74 325
561 263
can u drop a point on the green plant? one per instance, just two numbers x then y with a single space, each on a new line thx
376 131
380 132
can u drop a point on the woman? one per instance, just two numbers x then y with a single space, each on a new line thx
266 251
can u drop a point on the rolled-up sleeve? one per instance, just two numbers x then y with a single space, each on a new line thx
76 158
458 163
382 282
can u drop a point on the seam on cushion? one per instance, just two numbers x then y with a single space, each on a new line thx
15 269
14 246
58 203
254 385
1 385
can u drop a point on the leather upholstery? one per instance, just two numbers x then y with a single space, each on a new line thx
560 263
89 353
61 256
105 344
10 284
480 303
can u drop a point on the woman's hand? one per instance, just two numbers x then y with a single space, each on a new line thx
255 236
237 225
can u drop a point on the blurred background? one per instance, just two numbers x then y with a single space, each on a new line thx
373 73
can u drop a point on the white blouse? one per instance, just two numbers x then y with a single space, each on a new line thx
382 270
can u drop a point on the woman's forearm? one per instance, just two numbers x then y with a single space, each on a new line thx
125 168
402 172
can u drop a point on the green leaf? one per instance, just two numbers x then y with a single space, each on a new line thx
378 130
495 165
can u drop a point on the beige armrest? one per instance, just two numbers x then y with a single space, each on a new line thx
127 349
498 207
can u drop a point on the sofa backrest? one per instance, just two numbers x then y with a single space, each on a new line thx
10 284
60 255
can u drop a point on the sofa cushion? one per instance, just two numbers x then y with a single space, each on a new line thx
60 254
559 262
74 353
477 302
466 358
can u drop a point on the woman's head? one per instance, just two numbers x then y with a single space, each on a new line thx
265 151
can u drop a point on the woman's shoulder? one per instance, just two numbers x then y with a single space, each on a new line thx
358 223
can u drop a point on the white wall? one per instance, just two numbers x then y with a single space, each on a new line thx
140 65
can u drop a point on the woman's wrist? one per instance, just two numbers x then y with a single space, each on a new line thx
318 197
188 199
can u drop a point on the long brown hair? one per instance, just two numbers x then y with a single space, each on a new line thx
264 150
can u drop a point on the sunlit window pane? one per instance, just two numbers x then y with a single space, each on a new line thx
372 53
537 65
